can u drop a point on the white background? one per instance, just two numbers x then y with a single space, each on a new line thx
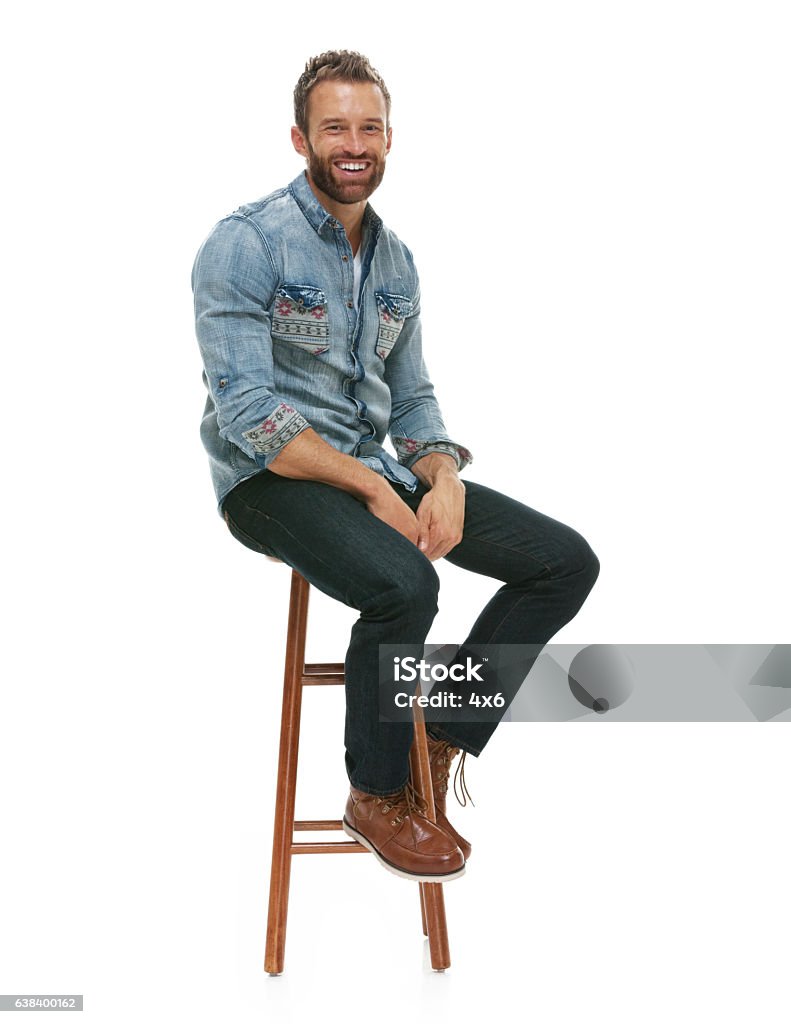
597 197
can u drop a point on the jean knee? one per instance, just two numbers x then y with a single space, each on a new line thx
419 586
583 566
591 571
579 562
413 591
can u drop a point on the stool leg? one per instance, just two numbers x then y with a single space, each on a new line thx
283 836
432 901
422 908
436 925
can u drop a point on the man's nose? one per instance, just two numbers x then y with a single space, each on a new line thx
355 141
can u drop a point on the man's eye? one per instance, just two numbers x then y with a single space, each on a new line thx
333 127
372 128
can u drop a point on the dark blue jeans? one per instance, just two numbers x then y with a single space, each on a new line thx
332 539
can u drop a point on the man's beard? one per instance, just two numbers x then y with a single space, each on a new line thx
321 173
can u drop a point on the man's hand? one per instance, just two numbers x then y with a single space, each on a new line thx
440 515
387 506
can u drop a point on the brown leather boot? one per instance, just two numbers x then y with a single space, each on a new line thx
441 754
400 836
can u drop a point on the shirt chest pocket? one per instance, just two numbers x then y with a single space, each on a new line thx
392 310
300 317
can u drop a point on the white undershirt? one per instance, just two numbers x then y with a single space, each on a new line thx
358 270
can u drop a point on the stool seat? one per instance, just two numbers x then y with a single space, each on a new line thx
297 675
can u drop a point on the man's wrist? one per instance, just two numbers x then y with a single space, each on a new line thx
434 467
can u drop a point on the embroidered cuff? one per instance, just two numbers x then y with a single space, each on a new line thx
410 450
276 430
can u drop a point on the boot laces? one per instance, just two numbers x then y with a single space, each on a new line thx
404 803
443 755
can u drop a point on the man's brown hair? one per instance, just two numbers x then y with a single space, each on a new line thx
338 66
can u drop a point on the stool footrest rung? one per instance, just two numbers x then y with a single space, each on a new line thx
323 673
350 847
319 826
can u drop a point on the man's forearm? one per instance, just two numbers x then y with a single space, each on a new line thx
433 467
309 457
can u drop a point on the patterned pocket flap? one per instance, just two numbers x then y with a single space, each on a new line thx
302 296
393 307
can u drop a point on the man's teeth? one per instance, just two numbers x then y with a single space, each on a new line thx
352 167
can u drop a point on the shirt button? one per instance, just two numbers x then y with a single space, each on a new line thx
345 259
350 305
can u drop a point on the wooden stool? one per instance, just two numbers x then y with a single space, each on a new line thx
297 675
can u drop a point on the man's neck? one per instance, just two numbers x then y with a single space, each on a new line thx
350 215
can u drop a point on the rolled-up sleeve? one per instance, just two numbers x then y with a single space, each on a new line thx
416 425
233 283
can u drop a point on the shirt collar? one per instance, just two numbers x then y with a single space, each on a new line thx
315 213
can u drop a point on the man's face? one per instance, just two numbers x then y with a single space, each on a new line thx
348 140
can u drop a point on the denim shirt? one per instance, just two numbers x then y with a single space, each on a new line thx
284 349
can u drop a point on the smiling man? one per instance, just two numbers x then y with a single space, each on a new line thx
308 320
335 106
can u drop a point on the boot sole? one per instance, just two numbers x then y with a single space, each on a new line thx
410 875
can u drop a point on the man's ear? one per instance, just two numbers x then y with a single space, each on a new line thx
389 139
298 142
